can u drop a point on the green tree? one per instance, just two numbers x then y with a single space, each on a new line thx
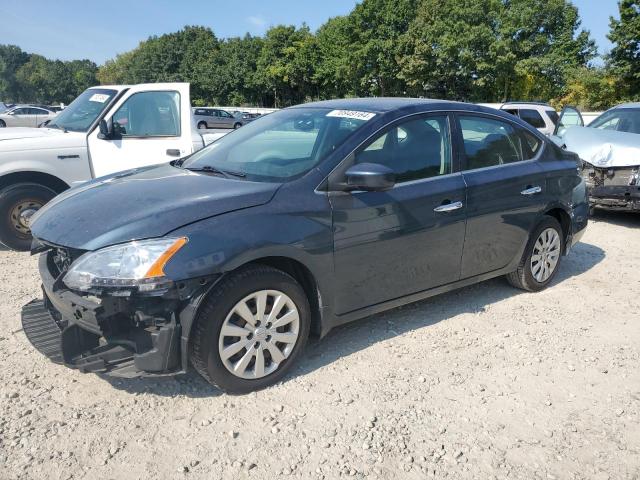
374 29
284 67
449 50
12 57
624 58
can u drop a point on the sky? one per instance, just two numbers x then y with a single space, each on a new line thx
71 29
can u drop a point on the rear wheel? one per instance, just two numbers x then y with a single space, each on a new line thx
250 330
541 258
2 124
202 125
18 203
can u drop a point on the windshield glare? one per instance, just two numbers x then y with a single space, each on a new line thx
83 111
620 119
279 146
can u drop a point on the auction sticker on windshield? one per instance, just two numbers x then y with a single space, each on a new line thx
351 114
99 97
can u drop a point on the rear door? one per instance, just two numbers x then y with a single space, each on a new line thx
505 190
409 239
41 115
151 124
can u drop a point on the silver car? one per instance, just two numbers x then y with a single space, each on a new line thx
25 116
215 118
610 151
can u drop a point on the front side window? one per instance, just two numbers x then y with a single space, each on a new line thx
149 114
532 117
280 146
621 120
489 142
416 149
21 111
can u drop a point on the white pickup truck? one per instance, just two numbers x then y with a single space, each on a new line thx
105 130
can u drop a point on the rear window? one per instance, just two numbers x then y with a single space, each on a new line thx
532 117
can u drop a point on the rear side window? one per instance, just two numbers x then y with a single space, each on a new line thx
489 142
149 114
414 150
532 117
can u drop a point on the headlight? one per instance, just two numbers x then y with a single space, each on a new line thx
135 264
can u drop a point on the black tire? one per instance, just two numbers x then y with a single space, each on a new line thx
202 125
523 277
205 333
237 125
12 234
2 124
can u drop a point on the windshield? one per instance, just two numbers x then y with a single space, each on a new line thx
280 146
620 119
84 110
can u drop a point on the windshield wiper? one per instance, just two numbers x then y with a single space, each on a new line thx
210 169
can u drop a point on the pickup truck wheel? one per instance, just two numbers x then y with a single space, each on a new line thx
541 258
237 125
17 204
250 330
202 125
2 124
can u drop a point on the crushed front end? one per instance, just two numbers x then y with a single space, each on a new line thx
613 187
122 331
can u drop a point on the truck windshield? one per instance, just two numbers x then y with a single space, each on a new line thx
280 146
83 111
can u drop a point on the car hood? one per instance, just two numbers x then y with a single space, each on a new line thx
143 203
603 148
14 133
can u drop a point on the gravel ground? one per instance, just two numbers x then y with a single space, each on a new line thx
486 382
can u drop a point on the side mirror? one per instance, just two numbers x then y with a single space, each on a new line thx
370 177
105 130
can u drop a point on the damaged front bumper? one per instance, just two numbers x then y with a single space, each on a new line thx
123 335
613 187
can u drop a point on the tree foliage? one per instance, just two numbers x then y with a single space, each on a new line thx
472 50
624 58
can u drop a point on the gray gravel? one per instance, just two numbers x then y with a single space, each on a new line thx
486 382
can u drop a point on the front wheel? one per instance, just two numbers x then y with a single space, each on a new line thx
202 125
541 258
18 203
2 124
250 330
237 125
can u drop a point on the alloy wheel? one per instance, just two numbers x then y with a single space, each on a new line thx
259 334
545 256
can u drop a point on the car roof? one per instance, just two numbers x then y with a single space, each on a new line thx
629 105
377 104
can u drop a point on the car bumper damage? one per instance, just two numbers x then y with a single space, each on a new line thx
613 187
122 333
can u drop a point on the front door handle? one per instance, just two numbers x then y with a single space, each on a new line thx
448 207
173 152
531 191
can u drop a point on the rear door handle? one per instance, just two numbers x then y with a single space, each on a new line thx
173 152
531 191
448 207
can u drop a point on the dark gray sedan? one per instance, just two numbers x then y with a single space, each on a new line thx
305 219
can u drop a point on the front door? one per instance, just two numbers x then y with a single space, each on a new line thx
22 117
151 124
505 190
408 239
569 117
